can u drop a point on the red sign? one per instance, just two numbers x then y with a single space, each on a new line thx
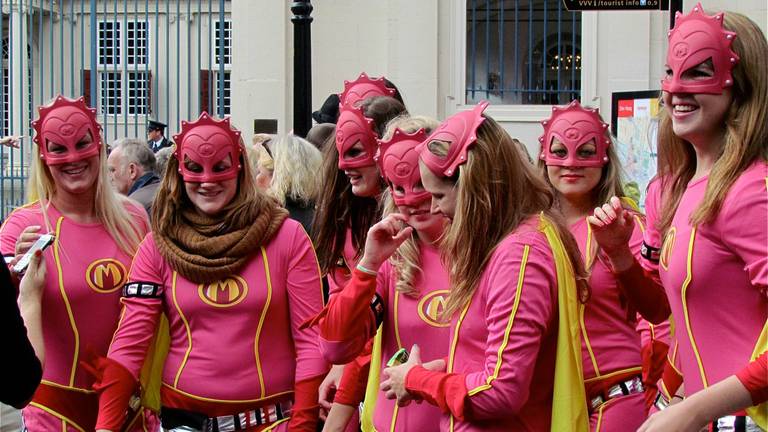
626 108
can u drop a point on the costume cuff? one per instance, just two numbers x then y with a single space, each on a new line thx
755 378
305 411
354 379
115 386
448 391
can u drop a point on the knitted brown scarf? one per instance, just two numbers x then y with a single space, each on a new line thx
204 249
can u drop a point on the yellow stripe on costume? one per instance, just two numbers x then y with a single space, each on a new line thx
569 400
372 388
510 324
760 413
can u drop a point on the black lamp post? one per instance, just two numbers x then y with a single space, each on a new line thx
674 6
302 67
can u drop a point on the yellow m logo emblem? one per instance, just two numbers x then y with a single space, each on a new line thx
431 306
106 275
224 293
228 287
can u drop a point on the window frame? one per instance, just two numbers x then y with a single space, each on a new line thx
227 66
515 113
124 69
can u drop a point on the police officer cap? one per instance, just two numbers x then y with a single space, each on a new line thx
155 125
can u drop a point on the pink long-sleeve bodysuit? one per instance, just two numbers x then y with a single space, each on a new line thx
716 275
610 345
86 271
407 320
503 343
231 341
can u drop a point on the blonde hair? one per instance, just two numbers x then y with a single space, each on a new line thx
295 163
254 158
406 260
497 190
745 126
110 207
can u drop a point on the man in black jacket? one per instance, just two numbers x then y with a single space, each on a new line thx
156 136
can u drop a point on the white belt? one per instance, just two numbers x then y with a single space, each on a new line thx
624 388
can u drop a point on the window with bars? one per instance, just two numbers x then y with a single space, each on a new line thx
124 81
522 52
224 50
209 83
227 97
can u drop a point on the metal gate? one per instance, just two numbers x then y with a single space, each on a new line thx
132 60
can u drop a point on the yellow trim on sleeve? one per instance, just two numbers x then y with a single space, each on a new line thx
276 424
510 324
261 319
186 327
64 297
686 314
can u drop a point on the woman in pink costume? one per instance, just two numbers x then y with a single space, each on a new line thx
582 168
514 359
713 145
235 279
97 232
349 201
408 289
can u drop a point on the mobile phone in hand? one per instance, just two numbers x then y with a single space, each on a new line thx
400 357
40 244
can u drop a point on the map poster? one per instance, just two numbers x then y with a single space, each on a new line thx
634 124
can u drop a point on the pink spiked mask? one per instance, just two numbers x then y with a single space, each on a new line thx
575 126
398 161
207 142
66 122
696 38
362 88
351 128
460 130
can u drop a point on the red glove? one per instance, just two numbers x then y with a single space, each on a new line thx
448 391
654 357
353 382
115 386
305 410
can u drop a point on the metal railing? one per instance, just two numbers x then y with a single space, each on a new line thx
522 52
131 59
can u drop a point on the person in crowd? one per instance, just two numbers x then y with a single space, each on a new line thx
23 334
748 387
287 171
235 278
579 163
13 141
713 151
321 135
348 205
132 169
408 280
156 136
364 87
96 231
329 111
516 282
161 160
